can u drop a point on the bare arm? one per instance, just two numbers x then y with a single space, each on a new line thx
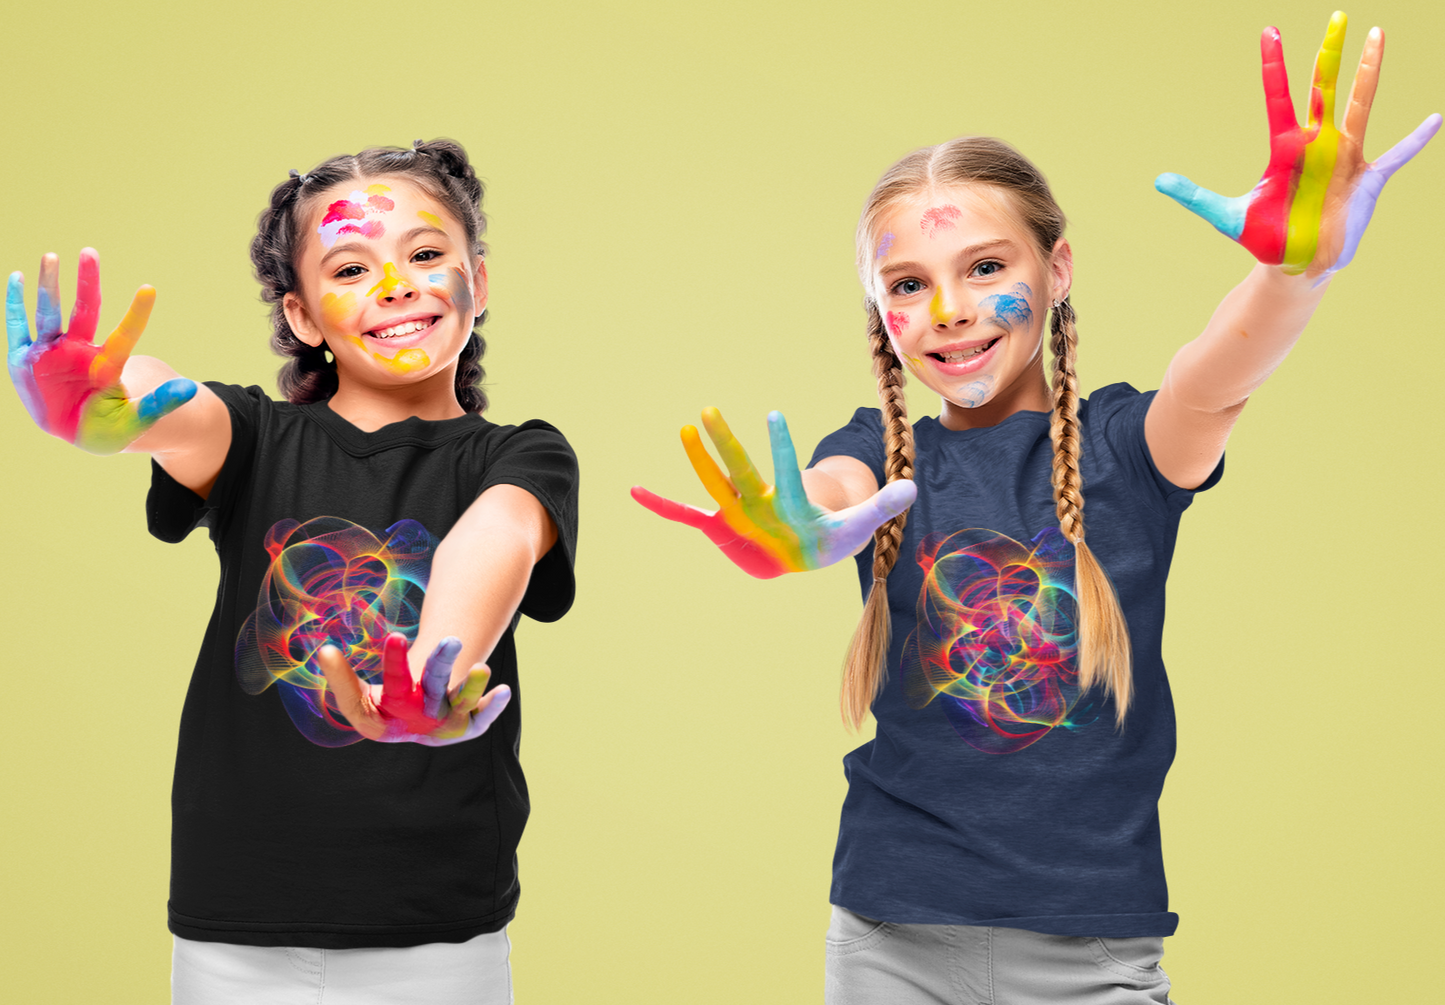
190 443
480 573
1211 378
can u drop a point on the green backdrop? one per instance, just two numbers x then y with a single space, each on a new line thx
673 192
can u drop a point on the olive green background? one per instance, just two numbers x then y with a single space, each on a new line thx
672 194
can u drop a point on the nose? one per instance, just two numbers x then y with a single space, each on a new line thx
948 309
393 288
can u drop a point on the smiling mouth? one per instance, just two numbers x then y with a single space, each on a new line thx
405 328
964 354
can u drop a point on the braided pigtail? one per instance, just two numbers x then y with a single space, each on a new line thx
864 669
1104 650
307 376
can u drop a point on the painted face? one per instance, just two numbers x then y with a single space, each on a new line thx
387 282
964 295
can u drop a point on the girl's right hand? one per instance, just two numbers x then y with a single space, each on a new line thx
768 530
70 386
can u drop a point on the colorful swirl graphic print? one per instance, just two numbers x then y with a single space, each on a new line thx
996 637
330 580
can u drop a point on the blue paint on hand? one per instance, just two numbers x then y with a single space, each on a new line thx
1225 215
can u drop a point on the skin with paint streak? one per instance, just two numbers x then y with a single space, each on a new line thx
1310 210
70 386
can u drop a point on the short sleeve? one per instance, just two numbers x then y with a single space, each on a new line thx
172 510
861 438
537 457
1117 414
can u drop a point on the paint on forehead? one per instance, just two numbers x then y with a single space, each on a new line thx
430 218
391 281
937 309
897 321
337 310
939 218
359 213
1010 310
976 392
885 245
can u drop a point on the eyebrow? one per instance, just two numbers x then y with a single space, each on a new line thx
350 246
969 252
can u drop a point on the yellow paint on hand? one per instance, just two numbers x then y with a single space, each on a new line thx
391 281
430 218
1319 155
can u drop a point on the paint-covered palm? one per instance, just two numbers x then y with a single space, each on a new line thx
1310 210
767 530
70 386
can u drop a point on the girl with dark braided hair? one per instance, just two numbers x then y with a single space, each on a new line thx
1000 837
348 799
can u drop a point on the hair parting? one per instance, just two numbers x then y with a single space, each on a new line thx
1103 653
441 168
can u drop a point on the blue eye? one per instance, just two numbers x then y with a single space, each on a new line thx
987 268
906 287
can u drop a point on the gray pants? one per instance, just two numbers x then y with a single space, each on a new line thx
477 972
881 963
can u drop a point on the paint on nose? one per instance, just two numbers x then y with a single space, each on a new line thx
937 309
391 281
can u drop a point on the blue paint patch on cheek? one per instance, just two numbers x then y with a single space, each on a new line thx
1010 310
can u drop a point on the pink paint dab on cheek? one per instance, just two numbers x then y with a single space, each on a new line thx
897 321
939 218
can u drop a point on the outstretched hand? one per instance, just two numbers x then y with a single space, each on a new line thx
428 713
1310 210
70 386
768 530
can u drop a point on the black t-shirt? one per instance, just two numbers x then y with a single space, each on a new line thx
994 792
285 829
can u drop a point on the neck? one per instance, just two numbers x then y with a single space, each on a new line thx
369 408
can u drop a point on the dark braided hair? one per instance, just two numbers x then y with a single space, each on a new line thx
441 168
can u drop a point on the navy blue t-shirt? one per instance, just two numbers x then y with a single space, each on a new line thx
995 793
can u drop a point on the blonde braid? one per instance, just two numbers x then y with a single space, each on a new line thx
864 669
1103 635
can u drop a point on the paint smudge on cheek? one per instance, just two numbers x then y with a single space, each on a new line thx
937 309
976 392
896 321
430 218
337 310
1010 310
939 218
915 364
885 245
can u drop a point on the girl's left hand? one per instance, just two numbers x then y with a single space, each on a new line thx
1309 211
412 713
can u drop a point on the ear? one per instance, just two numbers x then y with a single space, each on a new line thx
1061 268
479 284
300 321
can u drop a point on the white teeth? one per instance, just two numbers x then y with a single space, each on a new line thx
405 328
962 354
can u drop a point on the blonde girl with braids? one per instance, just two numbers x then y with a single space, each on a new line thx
347 800
999 842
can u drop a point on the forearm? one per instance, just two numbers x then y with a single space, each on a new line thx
1252 331
191 442
480 573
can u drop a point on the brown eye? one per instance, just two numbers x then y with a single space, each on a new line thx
350 272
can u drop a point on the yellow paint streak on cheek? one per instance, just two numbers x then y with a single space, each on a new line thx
405 361
915 364
937 309
337 310
430 218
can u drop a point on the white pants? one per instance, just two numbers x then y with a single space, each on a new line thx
476 972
